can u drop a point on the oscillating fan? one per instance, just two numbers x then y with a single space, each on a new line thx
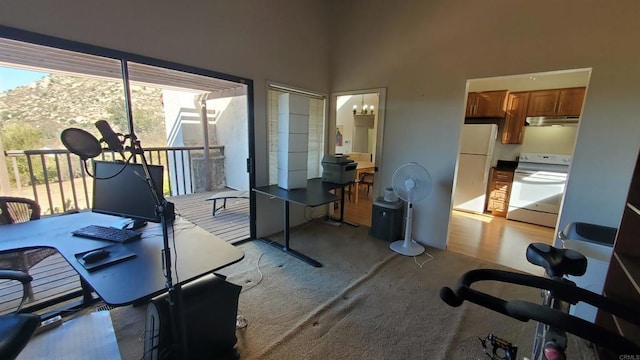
412 183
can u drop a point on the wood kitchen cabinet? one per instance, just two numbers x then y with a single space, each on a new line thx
623 277
499 191
556 102
487 104
513 131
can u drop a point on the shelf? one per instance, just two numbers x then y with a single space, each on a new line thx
623 276
608 321
631 267
633 208
627 329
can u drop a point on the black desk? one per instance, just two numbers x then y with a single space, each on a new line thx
316 193
198 253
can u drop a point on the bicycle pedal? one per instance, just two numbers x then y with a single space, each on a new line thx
500 349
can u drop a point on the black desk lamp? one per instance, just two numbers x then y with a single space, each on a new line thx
86 146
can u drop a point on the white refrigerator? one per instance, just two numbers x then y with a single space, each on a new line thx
474 163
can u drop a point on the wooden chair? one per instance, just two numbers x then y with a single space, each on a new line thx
366 179
15 210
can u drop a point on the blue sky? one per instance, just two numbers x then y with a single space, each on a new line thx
12 78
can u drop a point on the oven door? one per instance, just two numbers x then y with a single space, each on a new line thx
537 190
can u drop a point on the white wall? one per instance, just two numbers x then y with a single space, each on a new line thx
541 139
279 40
424 51
231 130
550 140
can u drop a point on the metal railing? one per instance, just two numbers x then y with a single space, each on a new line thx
57 179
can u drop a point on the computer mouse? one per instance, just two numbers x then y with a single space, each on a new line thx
135 225
95 256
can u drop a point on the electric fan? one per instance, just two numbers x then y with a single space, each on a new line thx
412 183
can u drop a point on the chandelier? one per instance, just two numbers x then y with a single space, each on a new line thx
364 108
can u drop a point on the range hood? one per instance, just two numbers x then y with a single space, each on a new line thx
551 120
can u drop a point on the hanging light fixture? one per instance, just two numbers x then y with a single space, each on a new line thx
364 108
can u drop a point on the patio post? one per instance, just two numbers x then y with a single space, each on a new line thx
202 99
4 171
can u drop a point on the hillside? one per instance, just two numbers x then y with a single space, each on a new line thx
57 102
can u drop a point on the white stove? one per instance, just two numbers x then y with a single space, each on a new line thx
538 187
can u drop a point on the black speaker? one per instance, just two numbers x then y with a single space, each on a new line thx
210 308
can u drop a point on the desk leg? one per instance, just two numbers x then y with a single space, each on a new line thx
87 297
286 226
286 247
342 208
342 202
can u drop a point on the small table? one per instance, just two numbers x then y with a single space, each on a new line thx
315 194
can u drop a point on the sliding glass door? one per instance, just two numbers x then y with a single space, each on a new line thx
195 122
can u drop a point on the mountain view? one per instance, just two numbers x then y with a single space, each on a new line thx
33 116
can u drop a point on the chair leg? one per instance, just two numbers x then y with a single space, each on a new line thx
25 267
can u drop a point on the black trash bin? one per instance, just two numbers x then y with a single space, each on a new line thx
386 220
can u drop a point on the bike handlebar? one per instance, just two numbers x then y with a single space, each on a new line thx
524 310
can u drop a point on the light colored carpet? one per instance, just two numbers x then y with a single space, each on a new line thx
366 302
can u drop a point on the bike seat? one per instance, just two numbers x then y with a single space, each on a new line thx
557 262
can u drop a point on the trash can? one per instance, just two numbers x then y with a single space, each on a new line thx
386 220
595 242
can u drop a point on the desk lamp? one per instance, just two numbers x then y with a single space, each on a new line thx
86 146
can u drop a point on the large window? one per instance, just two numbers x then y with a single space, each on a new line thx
316 131
176 112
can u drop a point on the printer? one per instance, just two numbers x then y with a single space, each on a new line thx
338 169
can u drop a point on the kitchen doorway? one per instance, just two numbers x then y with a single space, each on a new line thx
482 217
358 122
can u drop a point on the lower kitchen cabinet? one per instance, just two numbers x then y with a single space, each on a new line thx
498 192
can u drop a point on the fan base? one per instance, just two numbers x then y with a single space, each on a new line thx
412 248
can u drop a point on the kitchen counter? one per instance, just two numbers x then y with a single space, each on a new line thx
506 165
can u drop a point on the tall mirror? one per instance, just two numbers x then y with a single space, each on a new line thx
357 134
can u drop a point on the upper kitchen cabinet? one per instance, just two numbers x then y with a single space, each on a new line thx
487 104
557 102
517 104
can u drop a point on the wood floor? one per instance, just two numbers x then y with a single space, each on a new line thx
493 239
496 239
230 224
359 213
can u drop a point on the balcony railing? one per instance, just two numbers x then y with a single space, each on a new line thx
57 179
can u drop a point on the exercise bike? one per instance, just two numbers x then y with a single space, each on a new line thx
554 320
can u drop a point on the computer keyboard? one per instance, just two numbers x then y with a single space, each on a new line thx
107 233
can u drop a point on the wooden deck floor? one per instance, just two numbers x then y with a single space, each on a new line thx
53 276
230 224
